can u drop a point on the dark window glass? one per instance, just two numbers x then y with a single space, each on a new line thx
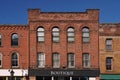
14 40
0 60
109 63
43 78
14 60
75 78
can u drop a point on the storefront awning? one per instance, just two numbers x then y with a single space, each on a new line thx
110 76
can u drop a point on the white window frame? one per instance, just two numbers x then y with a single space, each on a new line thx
40 34
86 60
109 44
70 34
71 59
55 34
41 60
85 35
56 60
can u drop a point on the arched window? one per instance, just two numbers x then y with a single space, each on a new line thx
70 35
0 60
40 34
55 34
14 60
85 34
14 40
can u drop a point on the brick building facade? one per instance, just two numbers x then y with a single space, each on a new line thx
64 45
53 46
13 51
109 49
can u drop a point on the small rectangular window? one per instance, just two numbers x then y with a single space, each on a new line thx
86 60
109 63
41 60
56 60
108 44
71 61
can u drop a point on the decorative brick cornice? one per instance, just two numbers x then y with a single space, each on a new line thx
36 14
109 29
13 27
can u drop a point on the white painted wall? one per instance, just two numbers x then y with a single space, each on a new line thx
17 72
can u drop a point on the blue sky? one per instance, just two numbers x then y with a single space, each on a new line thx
15 11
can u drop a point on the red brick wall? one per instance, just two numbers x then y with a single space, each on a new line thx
64 20
22 49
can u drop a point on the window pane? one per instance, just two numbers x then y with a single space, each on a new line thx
56 60
85 35
71 39
14 59
70 34
70 60
55 35
86 60
40 29
14 40
108 44
85 30
55 29
41 60
109 63
86 39
56 39
40 39
40 34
